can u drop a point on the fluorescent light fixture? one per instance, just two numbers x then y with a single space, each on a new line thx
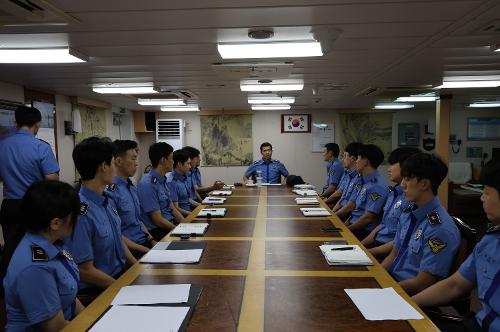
416 98
495 48
270 107
189 108
273 85
161 102
124 88
296 49
271 100
485 104
468 84
393 106
41 55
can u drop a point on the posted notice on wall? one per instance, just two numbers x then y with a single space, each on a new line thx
322 133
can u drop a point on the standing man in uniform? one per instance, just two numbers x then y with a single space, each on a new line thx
480 270
334 169
180 188
371 197
24 159
427 238
271 169
194 176
97 245
123 192
157 210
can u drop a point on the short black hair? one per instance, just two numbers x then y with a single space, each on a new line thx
27 116
400 155
334 147
180 156
490 174
263 145
46 200
373 153
425 166
193 152
353 148
158 151
90 153
122 146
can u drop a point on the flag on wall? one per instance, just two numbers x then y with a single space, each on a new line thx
295 123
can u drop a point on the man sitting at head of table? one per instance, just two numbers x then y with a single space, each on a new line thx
270 169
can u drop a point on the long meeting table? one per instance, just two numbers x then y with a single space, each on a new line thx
262 270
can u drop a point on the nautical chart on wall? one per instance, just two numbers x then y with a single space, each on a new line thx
93 122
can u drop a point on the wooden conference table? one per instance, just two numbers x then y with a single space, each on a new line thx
262 270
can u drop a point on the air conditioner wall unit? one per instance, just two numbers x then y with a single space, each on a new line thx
170 131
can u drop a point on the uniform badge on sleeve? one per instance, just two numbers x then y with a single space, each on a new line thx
436 245
84 207
374 196
434 218
38 254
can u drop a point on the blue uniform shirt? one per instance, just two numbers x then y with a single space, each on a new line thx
482 268
124 195
24 160
154 196
195 176
334 173
394 206
350 188
271 172
192 183
42 279
371 198
97 235
179 191
427 240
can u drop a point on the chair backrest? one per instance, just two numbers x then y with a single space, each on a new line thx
468 239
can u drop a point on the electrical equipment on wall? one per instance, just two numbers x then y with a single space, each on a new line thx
454 141
409 134
428 143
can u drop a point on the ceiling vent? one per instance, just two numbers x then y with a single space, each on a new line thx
167 92
253 70
32 12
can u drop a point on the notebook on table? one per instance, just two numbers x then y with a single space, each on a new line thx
315 212
212 213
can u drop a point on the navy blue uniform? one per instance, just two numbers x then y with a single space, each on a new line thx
180 191
154 196
334 173
394 206
351 188
42 280
271 172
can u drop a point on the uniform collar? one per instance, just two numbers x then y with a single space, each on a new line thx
421 212
120 182
157 175
370 176
41 241
25 132
92 196
262 162
493 229
178 176
397 188
352 173
331 162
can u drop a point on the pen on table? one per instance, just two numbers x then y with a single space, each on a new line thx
342 248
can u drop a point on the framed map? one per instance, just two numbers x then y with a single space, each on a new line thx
93 122
226 140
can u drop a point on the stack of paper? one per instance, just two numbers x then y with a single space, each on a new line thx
212 213
190 229
305 192
271 184
214 200
251 184
303 186
345 255
306 201
221 193
314 212
228 187
140 318
395 307
152 294
172 256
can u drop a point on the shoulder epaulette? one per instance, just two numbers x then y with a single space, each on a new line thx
373 180
434 218
44 141
256 162
409 208
84 207
493 229
154 180
38 254
111 187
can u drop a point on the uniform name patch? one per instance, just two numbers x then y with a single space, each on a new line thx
83 208
436 245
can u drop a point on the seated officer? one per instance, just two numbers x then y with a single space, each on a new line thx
270 169
480 270
371 196
42 278
380 239
334 169
180 191
157 210
427 238
123 192
97 244
194 176
341 195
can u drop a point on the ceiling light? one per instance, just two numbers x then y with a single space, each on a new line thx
272 85
270 107
161 102
271 100
485 104
417 98
393 106
124 88
190 108
270 50
469 84
41 55
495 48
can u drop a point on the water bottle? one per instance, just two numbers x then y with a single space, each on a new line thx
259 178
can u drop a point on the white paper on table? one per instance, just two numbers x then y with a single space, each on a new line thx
161 246
306 201
314 212
190 228
303 186
214 200
140 318
221 193
214 212
305 192
394 307
172 256
228 186
152 294
356 256
271 184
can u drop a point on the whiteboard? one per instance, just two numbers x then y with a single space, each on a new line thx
322 136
